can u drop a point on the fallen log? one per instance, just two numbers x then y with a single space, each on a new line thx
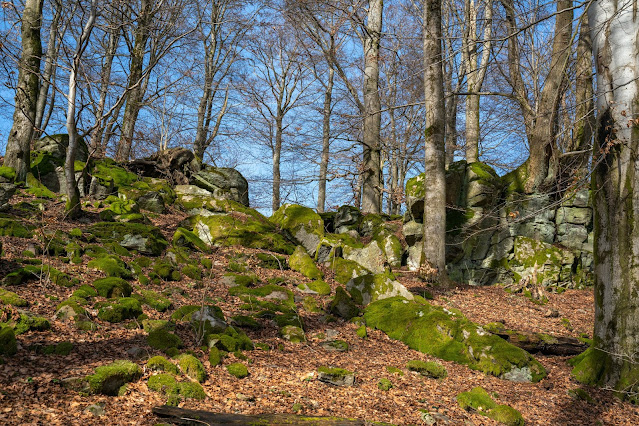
545 344
183 416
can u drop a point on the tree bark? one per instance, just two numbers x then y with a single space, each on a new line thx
476 72
372 183
97 144
135 81
48 74
434 251
26 99
614 362
73 207
326 139
277 154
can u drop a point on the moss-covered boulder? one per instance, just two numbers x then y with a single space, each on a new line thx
430 369
23 321
145 239
336 376
347 270
162 339
11 298
185 238
111 265
13 228
165 270
230 340
238 370
108 379
315 287
551 264
332 246
112 287
192 367
267 292
346 219
301 262
301 224
245 227
293 334
369 288
271 261
371 256
155 300
479 400
159 363
223 183
342 305
119 310
450 336
8 343
208 319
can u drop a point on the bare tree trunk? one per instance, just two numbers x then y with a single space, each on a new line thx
434 251
97 145
50 66
476 72
613 361
73 207
26 100
372 175
277 153
135 86
326 139
542 142
585 116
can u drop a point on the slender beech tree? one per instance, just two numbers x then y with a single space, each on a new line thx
26 99
372 183
541 119
612 360
434 247
475 67
73 206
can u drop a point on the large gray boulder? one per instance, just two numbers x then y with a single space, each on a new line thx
223 183
56 146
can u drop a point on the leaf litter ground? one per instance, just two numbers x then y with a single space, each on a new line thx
283 378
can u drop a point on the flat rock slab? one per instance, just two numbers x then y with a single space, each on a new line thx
182 416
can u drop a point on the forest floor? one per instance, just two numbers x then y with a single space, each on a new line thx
32 391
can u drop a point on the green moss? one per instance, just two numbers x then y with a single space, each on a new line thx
124 308
73 303
25 322
192 272
192 367
155 300
430 369
215 356
271 261
191 390
165 270
111 265
185 238
159 363
590 366
415 187
163 383
244 321
238 370
146 239
293 217
241 229
477 399
7 173
207 263
449 335
269 291
35 187
506 415
8 343
112 287
345 270
108 379
11 298
361 331
334 371
342 305
233 279
13 228
394 370
301 262
106 170
230 340
162 339
384 384
183 313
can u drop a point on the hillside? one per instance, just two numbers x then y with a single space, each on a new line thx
212 278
